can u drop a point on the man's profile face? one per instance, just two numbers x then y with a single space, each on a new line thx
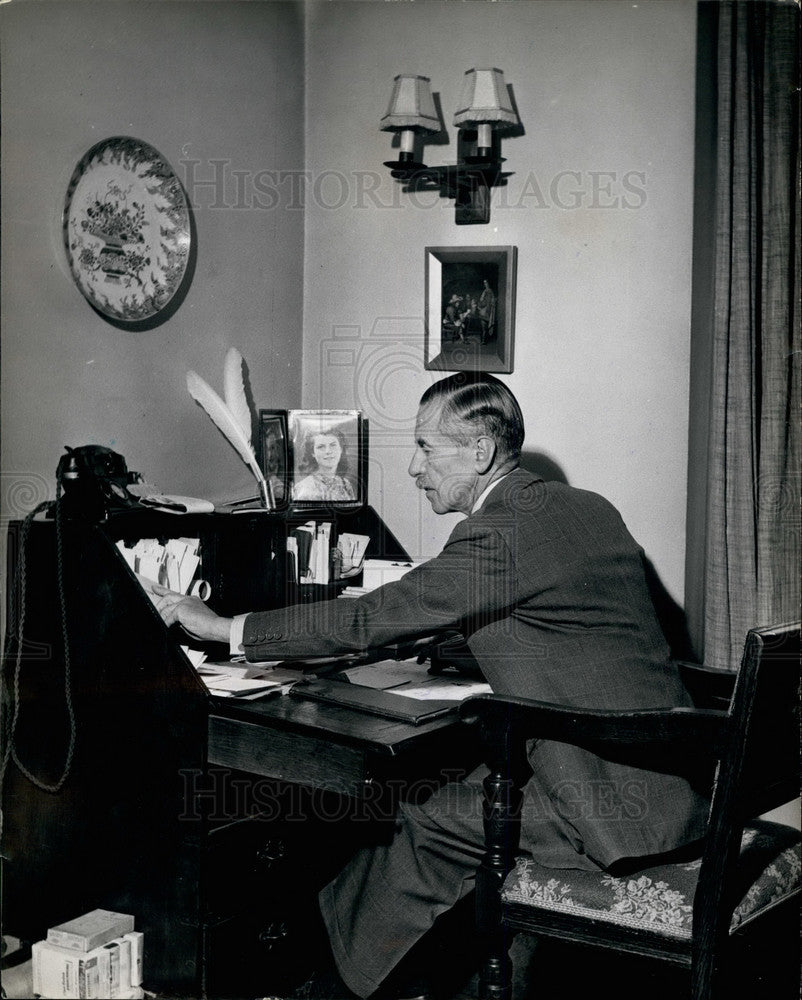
442 468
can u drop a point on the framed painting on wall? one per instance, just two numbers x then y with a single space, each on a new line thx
470 308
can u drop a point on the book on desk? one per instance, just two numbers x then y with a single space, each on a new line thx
405 690
374 701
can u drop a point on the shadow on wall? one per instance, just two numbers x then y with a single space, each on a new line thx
541 465
670 615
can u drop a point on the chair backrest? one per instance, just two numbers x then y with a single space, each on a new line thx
759 765
763 756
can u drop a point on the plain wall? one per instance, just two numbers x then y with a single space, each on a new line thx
602 340
197 81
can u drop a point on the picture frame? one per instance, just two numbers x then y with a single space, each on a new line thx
328 458
274 453
470 308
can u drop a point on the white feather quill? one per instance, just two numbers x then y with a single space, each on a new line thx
232 430
234 390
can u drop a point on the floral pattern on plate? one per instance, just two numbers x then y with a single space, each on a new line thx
126 229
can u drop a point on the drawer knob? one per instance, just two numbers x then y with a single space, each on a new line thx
273 933
270 851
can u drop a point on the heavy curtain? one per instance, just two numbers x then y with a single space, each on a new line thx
754 522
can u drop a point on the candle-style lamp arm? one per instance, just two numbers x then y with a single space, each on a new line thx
469 182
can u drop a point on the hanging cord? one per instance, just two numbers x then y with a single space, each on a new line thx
20 584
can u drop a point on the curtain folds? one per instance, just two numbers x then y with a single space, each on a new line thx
754 520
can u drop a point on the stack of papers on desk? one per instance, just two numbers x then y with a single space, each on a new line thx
243 680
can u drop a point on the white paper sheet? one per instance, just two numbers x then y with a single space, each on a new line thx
413 680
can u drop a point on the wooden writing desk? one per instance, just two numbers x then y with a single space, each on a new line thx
328 747
212 820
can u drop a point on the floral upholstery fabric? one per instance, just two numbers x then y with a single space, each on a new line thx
661 899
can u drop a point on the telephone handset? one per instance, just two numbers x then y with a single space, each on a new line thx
95 481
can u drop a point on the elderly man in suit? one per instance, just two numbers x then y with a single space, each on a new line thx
548 587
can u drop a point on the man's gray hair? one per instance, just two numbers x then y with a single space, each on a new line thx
477 403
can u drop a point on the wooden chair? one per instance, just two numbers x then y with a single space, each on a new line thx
688 914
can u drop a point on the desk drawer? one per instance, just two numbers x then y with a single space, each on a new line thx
247 861
253 954
288 756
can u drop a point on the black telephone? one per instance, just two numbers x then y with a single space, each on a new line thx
91 482
95 482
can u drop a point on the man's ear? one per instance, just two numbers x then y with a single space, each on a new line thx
485 453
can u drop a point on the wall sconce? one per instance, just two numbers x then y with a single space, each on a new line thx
484 108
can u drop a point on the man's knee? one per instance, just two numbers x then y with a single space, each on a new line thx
453 812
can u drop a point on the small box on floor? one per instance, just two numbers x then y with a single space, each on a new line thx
90 930
100 974
109 968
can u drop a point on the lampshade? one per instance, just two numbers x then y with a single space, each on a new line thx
411 106
484 99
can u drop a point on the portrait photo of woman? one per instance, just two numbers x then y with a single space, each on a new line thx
325 449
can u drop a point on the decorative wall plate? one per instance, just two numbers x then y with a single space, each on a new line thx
126 229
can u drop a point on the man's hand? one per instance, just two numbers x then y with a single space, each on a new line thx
191 613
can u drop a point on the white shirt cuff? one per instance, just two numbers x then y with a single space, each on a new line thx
235 635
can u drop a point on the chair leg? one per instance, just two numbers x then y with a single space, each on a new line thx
495 971
501 800
705 982
495 979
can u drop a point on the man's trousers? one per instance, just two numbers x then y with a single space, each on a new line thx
388 896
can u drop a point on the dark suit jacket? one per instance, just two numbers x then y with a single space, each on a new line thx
548 587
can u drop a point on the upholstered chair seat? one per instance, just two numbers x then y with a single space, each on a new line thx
660 899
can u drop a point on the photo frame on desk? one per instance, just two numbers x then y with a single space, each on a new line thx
328 458
274 453
470 308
